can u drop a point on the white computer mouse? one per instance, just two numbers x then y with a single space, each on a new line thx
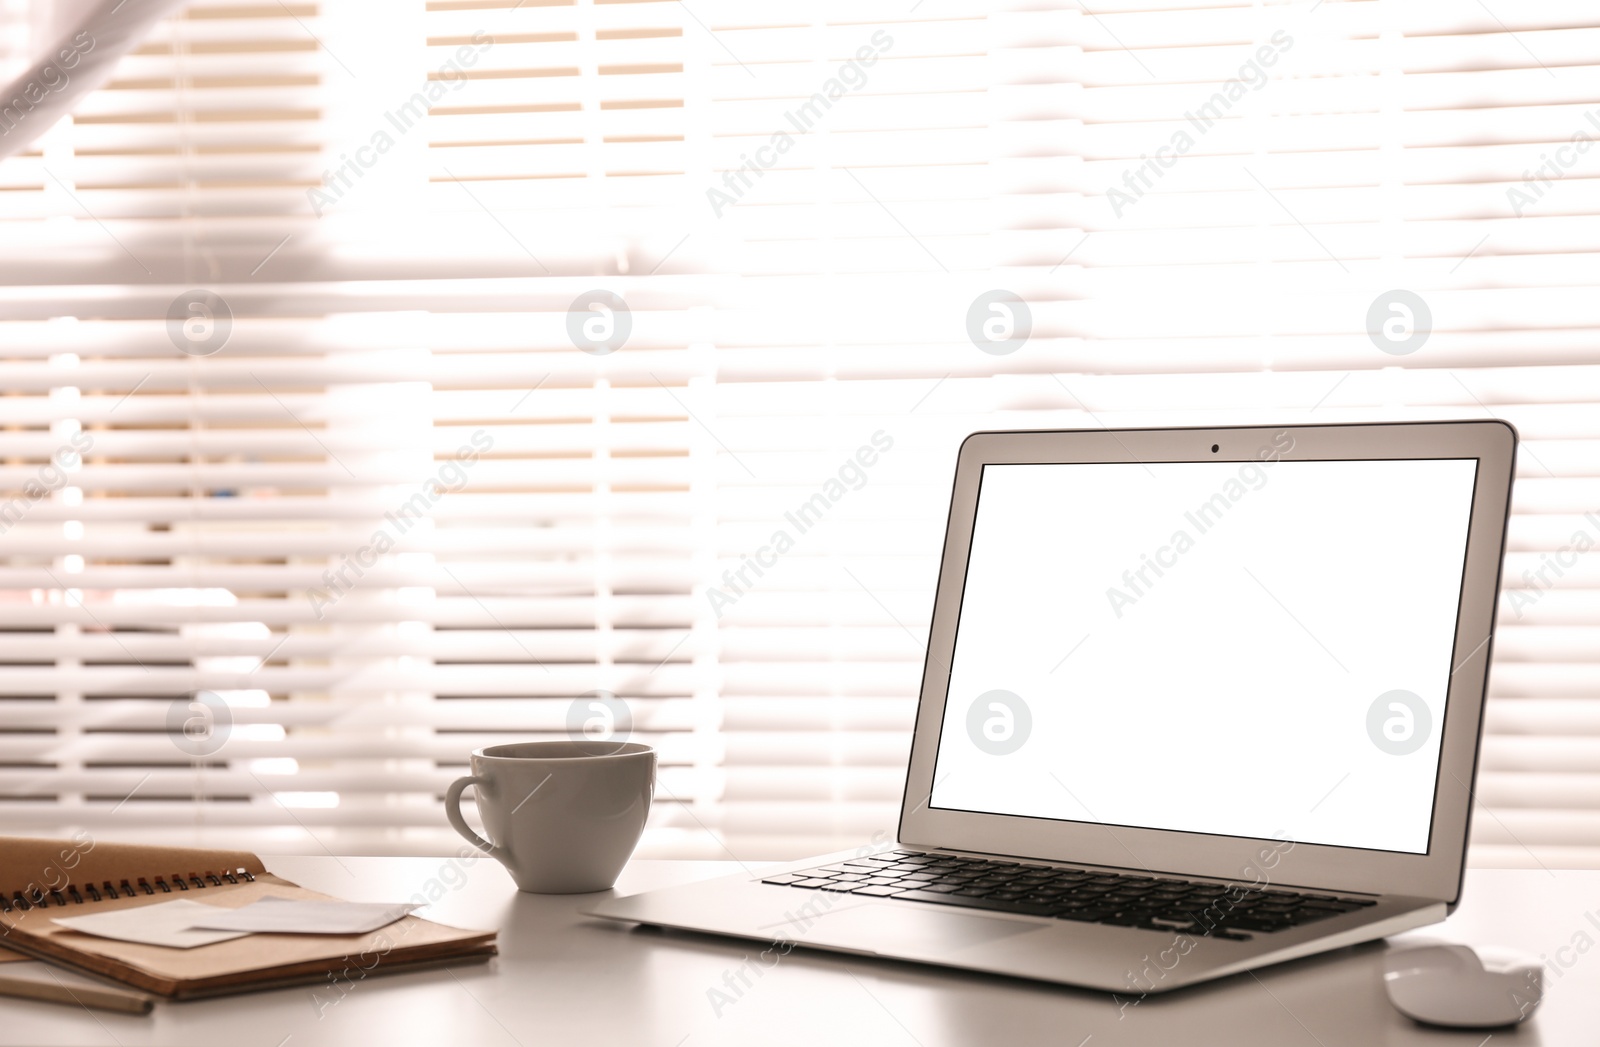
1454 986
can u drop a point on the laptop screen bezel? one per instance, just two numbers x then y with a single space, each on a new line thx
1435 874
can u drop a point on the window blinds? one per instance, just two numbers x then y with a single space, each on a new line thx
378 388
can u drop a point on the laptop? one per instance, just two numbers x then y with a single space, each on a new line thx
1195 701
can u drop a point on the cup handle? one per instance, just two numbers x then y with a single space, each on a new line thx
452 810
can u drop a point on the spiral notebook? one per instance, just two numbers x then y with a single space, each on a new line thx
40 879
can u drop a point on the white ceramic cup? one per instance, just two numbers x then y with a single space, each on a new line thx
563 817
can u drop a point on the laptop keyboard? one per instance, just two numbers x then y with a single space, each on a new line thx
1084 895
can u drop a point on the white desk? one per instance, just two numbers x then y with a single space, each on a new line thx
565 979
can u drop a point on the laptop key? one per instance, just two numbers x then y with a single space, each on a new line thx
813 882
1019 907
786 878
1082 915
1169 913
878 892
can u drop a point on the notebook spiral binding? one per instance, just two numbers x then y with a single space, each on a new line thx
41 898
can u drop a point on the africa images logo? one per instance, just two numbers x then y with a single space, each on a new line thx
804 118
1251 476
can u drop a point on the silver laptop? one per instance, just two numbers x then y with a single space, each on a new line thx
1195 701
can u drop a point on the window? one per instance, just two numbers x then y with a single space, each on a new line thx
378 388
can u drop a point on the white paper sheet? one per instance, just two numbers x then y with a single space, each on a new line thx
283 916
165 923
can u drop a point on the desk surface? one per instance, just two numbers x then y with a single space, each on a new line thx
566 978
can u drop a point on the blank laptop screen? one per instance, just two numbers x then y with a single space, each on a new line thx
1255 649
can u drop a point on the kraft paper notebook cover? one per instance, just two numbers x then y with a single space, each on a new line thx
41 879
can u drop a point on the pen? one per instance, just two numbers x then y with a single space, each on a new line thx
106 998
